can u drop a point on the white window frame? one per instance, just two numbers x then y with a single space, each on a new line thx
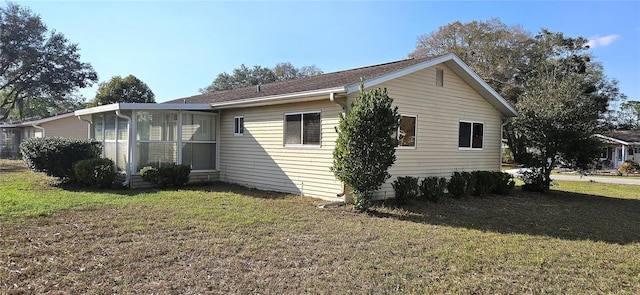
300 145
471 136
238 129
415 130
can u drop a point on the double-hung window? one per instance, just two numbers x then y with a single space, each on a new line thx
302 129
238 125
471 135
407 131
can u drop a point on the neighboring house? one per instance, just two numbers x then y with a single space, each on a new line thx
12 134
620 145
281 136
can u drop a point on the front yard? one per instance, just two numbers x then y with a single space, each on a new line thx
582 238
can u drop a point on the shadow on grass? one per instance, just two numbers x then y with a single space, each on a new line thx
557 214
215 187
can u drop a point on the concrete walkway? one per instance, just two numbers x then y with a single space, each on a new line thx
578 177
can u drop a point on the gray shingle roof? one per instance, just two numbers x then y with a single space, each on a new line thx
324 81
626 135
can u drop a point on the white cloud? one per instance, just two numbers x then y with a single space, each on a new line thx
602 41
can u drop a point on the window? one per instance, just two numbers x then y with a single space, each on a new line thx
439 77
407 131
238 126
302 129
198 144
471 135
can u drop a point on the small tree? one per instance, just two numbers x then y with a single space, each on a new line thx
365 147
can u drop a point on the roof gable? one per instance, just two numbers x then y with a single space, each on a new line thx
348 81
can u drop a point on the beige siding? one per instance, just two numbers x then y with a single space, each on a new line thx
66 127
439 111
259 158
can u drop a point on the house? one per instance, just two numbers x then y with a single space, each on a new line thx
12 134
281 136
620 145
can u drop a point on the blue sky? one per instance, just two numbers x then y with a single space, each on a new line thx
179 47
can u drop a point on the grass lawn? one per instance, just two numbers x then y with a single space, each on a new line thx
582 238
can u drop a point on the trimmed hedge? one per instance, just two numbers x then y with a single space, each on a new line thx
97 172
55 155
167 175
433 188
405 188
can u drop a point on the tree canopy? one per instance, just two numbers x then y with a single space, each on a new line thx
128 89
521 68
36 63
245 76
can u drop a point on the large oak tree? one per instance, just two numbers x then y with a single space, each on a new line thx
36 63
129 89
245 76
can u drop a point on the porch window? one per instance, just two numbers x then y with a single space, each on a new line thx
112 131
471 135
176 138
302 129
407 131
198 141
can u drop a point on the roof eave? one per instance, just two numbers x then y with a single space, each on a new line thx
144 106
279 99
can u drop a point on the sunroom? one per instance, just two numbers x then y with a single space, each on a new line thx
136 135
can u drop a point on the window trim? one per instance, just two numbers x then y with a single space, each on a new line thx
300 145
471 148
415 130
238 131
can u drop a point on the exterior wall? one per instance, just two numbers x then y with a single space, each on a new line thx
259 158
439 111
66 127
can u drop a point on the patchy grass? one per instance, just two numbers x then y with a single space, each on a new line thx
228 239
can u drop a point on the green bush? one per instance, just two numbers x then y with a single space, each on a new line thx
534 181
461 184
167 175
97 172
433 188
484 183
365 147
405 188
629 167
495 182
55 155
504 183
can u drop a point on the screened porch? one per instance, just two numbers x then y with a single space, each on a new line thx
139 135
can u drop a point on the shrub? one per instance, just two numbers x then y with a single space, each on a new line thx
484 183
365 147
55 155
405 188
461 184
167 175
97 172
534 181
504 183
432 188
629 167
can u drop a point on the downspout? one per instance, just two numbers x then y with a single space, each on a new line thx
88 127
504 123
343 105
127 178
39 128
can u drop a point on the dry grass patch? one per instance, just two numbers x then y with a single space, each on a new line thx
230 240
